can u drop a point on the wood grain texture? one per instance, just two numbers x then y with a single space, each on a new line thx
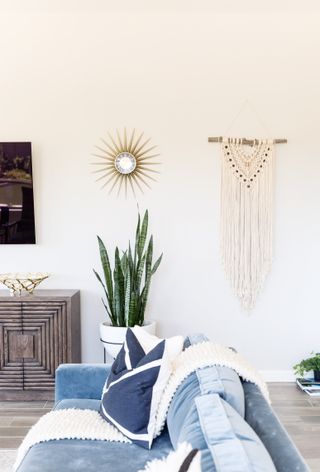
37 333
21 346
16 418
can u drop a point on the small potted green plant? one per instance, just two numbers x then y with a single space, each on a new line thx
307 365
126 287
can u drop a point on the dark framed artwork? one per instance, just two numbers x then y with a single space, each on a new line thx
17 223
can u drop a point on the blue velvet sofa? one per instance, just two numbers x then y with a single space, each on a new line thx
80 386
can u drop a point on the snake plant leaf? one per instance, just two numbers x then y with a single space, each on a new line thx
127 297
131 262
143 302
112 318
124 262
148 275
143 234
149 260
137 239
133 318
156 265
140 270
119 289
103 285
106 267
100 280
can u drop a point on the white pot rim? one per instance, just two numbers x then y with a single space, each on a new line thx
109 325
113 337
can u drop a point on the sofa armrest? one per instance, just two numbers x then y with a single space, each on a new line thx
266 424
80 380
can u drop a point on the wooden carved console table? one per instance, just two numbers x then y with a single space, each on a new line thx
37 333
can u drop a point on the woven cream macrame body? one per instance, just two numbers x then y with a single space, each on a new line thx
246 216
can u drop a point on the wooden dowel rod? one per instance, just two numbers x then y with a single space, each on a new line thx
250 142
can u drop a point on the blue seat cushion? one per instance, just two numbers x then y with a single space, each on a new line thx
92 456
74 455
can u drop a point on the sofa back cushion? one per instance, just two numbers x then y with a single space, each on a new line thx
216 379
207 411
227 443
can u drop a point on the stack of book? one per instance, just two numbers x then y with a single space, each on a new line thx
310 386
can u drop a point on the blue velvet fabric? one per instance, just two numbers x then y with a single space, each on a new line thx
265 423
80 380
215 379
232 443
80 403
195 338
225 382
92 456
199 415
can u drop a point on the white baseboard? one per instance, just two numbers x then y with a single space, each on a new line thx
278 375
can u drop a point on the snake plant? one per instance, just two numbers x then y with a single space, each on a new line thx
127 286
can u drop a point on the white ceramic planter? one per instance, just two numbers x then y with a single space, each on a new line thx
112 337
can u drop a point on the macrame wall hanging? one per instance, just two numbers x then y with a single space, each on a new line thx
247 213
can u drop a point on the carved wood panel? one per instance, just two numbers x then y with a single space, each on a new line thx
36 335
11 370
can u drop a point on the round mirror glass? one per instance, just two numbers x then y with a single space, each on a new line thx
125 163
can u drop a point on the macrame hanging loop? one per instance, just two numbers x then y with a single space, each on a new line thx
246 215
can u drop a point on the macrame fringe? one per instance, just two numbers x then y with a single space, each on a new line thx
246 217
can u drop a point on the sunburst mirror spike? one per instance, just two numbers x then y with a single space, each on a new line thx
124 161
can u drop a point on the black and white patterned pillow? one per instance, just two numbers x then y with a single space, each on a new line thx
137 379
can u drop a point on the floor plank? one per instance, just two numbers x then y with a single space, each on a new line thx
10 443
16 418
24 421
16 412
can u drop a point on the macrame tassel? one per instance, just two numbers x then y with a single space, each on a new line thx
246 217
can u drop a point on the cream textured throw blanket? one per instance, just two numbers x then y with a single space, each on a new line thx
88 424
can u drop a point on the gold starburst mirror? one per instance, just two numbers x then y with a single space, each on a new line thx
126 161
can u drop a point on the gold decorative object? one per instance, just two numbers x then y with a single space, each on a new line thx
126 160
19 282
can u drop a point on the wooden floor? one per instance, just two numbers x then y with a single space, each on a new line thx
299 413
16 418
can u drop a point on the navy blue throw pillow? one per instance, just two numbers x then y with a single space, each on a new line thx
132 392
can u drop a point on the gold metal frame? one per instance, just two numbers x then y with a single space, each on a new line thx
144 159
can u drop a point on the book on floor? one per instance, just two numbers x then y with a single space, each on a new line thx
310 386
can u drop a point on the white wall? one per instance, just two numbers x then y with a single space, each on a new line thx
180 71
